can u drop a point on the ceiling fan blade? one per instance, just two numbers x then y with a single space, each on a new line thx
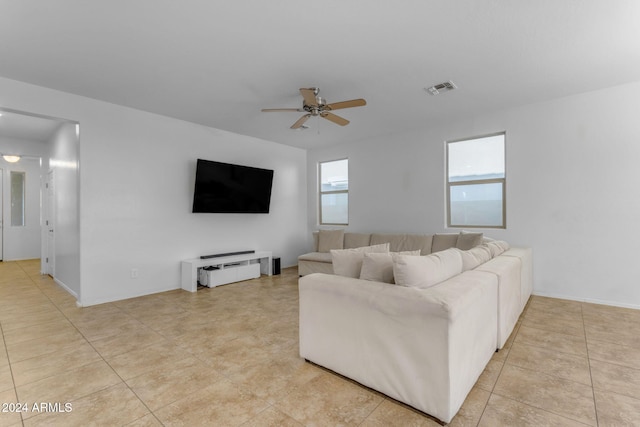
309 96
269 110
335 119
346 104
301 121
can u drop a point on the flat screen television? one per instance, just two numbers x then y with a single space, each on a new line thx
228 188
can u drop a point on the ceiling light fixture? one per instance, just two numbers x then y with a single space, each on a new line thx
10 158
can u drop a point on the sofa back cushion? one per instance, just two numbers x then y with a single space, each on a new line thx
404 242
330 239
444 241
356 240
378 267
348 262
468 240
426 271
475 256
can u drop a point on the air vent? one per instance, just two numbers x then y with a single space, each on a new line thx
441 87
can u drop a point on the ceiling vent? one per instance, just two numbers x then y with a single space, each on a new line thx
441 87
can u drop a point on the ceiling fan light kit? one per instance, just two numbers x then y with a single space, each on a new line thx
315 105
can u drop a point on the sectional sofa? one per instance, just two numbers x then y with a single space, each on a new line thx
420 329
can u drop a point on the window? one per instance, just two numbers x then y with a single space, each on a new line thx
476 182
334 192
17 199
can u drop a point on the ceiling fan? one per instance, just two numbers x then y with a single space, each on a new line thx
315 105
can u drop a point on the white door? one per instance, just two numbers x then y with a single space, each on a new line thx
50 258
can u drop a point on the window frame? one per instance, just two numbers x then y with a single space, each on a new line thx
450 184
321 192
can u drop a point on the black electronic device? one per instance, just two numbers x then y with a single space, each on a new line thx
226 254
229 188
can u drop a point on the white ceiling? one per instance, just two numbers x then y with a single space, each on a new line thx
218 63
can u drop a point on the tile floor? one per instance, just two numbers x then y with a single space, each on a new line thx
228 356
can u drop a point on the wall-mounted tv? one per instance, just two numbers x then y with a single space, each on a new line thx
228 188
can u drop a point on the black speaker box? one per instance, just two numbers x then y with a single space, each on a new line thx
275 267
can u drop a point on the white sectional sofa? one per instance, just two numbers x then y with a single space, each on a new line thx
422 342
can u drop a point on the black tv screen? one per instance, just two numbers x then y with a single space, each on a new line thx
227 188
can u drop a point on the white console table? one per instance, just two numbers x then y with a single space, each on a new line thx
229 269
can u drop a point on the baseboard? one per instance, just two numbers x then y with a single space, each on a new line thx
588 300
123 297
66 288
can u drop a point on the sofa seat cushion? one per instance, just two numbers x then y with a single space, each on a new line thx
316 256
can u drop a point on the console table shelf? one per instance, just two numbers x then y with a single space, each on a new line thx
228 269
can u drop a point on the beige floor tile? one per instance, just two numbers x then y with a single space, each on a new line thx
40 346
620 333
615 378
54 327
552 340
162 355
50 364
604 313
614 353
127 340
71 385
563 365
615 410
149 420
6 378
113 406
11 417
271 417
503 412
472 408
34 320
392 413
159 387
220 403
330 400
563 324
489 376
559 396
275 379
555 304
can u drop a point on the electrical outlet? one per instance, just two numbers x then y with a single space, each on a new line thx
134 273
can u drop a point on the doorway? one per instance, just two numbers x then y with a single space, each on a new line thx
54 144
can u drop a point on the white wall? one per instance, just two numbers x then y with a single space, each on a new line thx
572 188
136 186
22 242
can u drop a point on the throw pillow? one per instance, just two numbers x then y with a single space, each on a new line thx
475 256
378 267
497 247
330 239
426 271
348 262
468 240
